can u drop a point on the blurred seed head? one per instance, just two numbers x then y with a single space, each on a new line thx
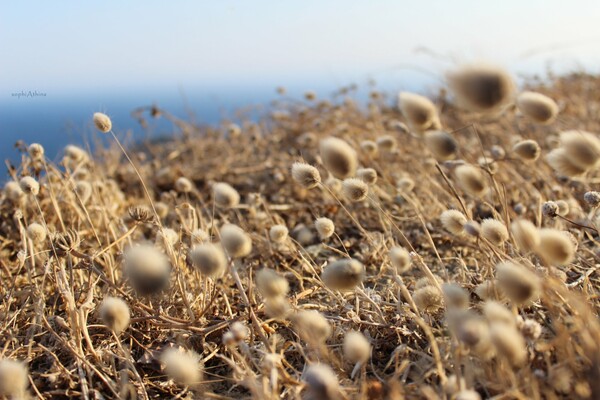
367 175
453 221
419 111
471 180
455 296
277 307
527 150
494 231
14 379
555 247
400 259
236 242
369 147
13 191
209 259
357 348
592 198
496 313
386 143
225 195
29 185
36 151
481 87
306 175
278 233
338 157
355 189
37 233
311 326
538 107
270 284
325 227
322 383
146 268
184 185
526 235
343 275
472 228
114 313
441 144
182 366
102 122
509 343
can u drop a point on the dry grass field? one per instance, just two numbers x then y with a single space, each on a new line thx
430 248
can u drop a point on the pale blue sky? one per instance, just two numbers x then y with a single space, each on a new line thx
79 45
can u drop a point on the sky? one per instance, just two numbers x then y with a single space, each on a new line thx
81 46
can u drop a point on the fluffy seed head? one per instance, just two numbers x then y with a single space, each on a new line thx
277 307
114 313
495 312
13 191
563 207
240 331
428 299
441 144
182 366
538 107
209 259
489 290
306 175
167 237
453 221
471 180
531 329
271 284
76 154
37 233
550 209
592 198
355 189
369 147
29 185
278 233
472 228
562 163
102 122
526 235
235 241
199 236
312 326
83 190
338 157
582 148
494 231
400 259
13 379
527 150
467 394
36 151
555 246
367 175
184 185
322 382
343 275
455 296
509 343
225 195
147 269
480 87
386 143
357 348
419 111
325 227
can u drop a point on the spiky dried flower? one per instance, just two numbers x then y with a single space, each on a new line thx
481 87
540 108
29 185
441 144
140 214
146 268
494 231
471 180
453 221
555 246
312 326
182 366
400 259
209 259
419 111
225 195
338 157
325 227
322 382
102 122
306 175
270 284
65 242
526 234
278 233
344 274
14 379
355 189
527 150
236 241
357 348
114 313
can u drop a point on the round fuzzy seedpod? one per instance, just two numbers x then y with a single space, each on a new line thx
497 152
184 185
481 87
563 208
540 108
509 343
76 154
225 195
471 180
322 382
270 284
419 111
592 198
312 326
36 151
338 157
114 313
325 227
14 379
37 233
475 333
405 185
441 144
369 147
355 189
306 175
277 307
29 185
489 290
233 131
386 143
531 329
235 241
555 247
561 162
550 209
472 228
167 237
400 259
582 148
209 259
428 299
240 331
527 150
278 233
427 281
496 313
526 235
453 221
102 122
13 191
494 231
147 269
455 296
357 348
199 236
367 175
182 366
344 274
